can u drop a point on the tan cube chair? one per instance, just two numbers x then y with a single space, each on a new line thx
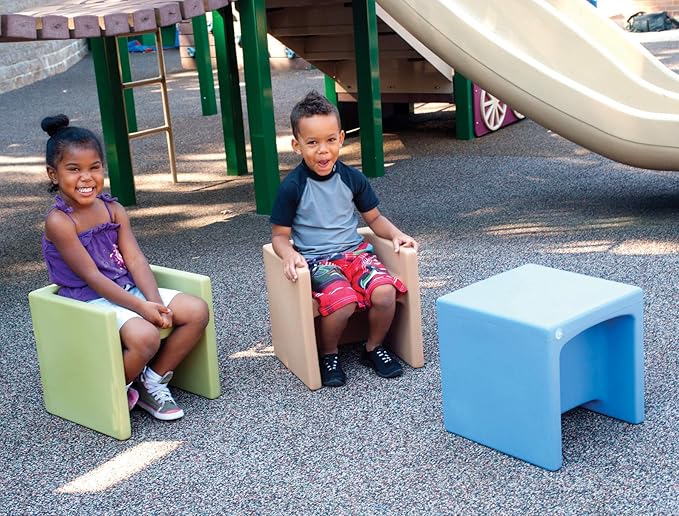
293 311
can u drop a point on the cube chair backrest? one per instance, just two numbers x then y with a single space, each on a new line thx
199 371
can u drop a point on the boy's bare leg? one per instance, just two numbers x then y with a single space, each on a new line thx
380 315
332 327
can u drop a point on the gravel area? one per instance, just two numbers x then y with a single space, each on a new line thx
270 446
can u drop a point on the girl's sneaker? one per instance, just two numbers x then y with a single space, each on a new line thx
132 397
155 397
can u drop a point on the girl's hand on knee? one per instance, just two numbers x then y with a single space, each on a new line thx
157 314
167 319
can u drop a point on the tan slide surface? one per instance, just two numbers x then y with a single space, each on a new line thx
571 72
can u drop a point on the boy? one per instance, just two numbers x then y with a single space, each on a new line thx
315 207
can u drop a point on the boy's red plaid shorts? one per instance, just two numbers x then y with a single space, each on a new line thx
349 277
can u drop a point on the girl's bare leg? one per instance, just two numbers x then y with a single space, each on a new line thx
141 341
190 316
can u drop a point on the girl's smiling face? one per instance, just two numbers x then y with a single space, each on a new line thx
318 141
79 174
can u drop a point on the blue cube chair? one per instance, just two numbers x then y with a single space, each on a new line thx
520 348
81 360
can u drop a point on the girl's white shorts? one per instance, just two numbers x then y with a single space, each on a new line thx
123 314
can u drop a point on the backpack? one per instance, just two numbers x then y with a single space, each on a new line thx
650 22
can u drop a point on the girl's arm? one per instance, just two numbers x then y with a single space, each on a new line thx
134 258
60 230
136 263
383 227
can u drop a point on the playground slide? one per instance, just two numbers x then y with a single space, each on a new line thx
555 72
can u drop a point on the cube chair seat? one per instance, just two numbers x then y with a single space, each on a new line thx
81 360
293 311
522 347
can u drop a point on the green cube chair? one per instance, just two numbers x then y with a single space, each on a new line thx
81 359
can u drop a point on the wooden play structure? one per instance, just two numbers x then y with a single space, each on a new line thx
606 93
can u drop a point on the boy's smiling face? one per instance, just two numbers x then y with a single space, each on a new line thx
318 141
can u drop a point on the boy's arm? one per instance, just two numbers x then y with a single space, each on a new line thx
292 260
383 227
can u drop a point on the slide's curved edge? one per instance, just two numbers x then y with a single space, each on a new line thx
570 105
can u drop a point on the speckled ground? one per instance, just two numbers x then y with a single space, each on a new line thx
270 446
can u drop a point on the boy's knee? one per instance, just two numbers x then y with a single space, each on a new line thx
345 312
383 297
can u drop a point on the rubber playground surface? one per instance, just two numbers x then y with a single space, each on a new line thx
270 446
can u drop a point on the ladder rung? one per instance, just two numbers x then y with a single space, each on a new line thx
148 132
142 82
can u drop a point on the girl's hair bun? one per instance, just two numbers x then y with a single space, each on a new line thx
53 124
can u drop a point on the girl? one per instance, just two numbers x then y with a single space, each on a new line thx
93 256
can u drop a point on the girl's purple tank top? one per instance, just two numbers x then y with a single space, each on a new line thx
101 242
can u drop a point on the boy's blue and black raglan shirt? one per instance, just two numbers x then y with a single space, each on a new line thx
320 209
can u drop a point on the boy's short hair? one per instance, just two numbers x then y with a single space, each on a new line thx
312 104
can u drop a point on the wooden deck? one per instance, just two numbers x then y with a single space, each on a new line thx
75 19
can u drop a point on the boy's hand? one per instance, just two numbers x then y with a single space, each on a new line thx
383 228
291 263
404 240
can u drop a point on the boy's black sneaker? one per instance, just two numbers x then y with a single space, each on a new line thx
383 362
332 374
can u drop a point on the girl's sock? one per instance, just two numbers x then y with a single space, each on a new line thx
151 375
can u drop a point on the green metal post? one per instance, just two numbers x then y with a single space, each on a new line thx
148 40
126 71
201 42
113 120
368 82
260 103
168 36
229 92
330 91
464 108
